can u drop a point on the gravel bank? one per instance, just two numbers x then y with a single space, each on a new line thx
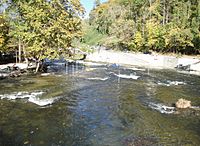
145 60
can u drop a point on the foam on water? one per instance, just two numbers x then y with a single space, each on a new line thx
176 83
90 63
32 97
46 74
90 69
134 77
162 108
41 102
195 107
171 83
136 69
163 84
101 79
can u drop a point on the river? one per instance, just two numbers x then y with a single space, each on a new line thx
99 105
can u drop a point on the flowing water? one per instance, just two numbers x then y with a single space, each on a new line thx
99 106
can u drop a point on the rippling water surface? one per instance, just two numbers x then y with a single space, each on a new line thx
99 106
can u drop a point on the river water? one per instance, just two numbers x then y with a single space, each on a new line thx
99 105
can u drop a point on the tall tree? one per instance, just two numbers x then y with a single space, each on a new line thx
46 28
3 32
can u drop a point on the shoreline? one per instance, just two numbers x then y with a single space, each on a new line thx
14 69
150 61
185 64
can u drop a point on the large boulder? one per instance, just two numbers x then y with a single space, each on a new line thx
182 103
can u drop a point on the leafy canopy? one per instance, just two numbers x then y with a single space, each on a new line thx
45 28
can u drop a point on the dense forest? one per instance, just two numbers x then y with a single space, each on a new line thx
149 25
46 29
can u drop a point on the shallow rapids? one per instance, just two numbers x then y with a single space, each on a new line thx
99 105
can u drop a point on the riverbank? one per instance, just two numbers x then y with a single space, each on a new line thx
14 69
158 61
186 64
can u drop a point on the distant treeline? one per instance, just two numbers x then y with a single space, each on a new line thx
145 25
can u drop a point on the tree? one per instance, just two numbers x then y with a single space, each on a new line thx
2 25
178 39
4 28
96 3
139 41
155 36
158 25
46 28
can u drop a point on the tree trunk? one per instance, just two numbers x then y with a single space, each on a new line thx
37 66
16 56
25 56
143 25
167 14
20 55
164 12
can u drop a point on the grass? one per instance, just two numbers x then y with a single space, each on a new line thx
92 36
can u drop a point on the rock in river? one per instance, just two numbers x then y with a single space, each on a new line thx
182 103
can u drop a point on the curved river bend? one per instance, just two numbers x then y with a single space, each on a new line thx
99 106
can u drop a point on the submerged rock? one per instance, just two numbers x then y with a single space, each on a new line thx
140 141
162 108
182 103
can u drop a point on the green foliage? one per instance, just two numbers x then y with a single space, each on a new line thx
45 28
91 36
178 39
3 32
155 36
139 41
159 25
